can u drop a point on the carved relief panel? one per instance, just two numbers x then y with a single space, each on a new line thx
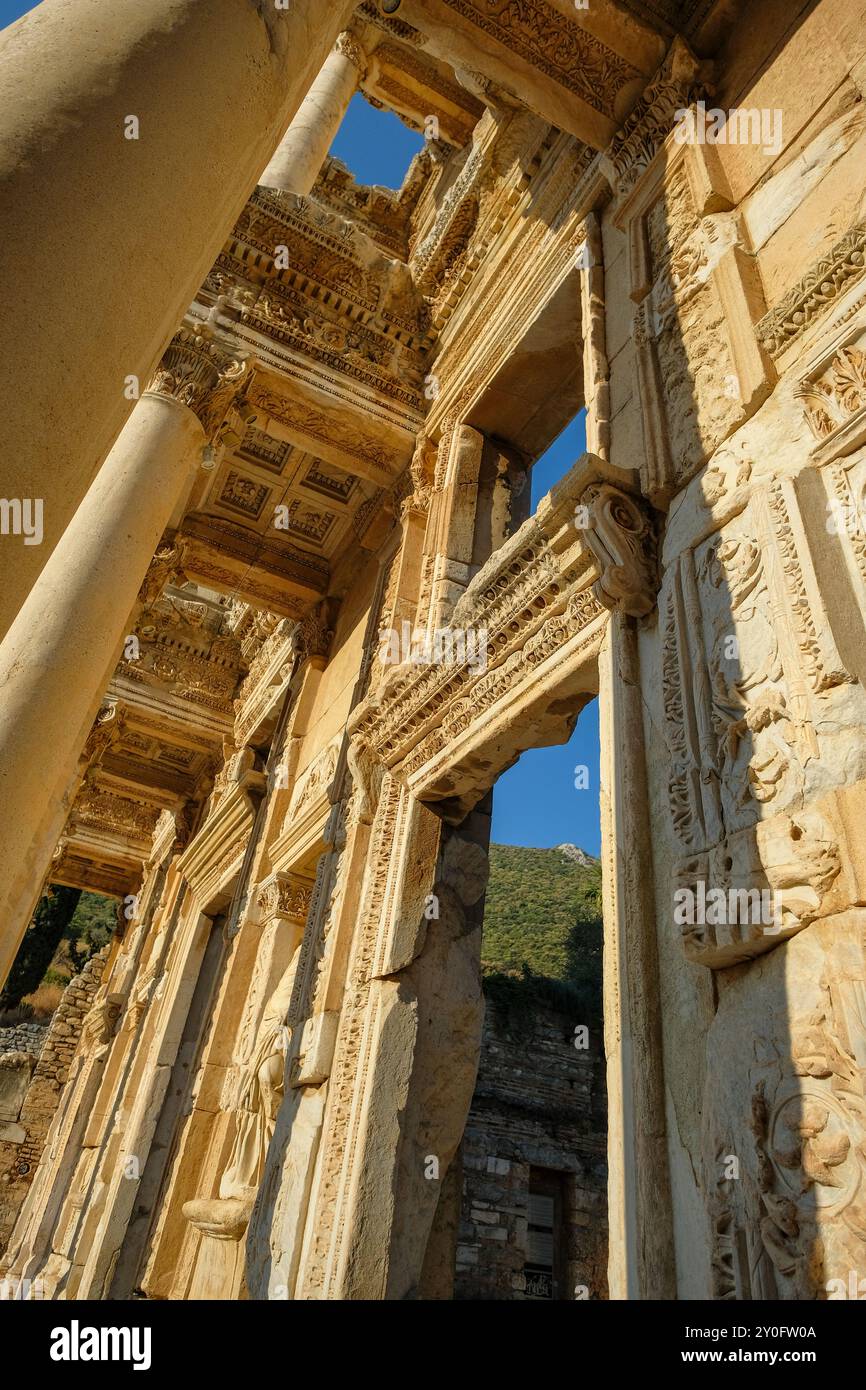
784 1125
755 698
701 370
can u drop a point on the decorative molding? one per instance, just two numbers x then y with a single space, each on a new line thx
556 45
445 727
828 278
635 145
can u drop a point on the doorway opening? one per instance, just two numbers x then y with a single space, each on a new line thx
534 1165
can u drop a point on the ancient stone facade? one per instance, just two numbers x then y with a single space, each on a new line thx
315 406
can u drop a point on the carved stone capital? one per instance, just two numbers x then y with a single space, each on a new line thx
349 45
287 896
622 538
107 728
99 1024
421 469
313 635
679 81
203 372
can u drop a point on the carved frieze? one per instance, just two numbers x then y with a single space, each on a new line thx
556 45
751 683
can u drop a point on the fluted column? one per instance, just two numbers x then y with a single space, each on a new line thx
59 654
295 166
130 137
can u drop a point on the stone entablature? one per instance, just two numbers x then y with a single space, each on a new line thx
539 606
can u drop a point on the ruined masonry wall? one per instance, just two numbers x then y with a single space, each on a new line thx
22 1138
538 1102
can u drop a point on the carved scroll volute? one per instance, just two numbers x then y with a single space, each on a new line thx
621 536
107 729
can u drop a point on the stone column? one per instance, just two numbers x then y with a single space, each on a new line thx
130 137
295 166
641 1244
58 656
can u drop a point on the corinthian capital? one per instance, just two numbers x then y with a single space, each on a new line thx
203 372
350 46
285 895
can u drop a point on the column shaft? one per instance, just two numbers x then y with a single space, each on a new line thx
300 155
57 657
105 239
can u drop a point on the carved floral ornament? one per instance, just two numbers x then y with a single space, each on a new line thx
677 83
556 44
826 281
834 397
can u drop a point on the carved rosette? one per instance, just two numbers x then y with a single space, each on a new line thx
202 372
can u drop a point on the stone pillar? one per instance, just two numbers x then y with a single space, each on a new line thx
119 125
58 656
298 159
641 1259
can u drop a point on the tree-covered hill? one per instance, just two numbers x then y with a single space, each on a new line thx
543 919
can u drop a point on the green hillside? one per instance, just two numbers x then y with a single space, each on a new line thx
542 922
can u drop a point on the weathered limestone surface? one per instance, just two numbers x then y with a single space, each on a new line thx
347 625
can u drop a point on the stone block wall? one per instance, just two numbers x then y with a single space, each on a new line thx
538 1120
43 1055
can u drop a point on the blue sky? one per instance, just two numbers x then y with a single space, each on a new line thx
12 9
536 802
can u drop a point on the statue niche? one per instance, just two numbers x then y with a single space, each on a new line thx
260 1095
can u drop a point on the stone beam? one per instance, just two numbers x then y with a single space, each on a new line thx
333 428
269 574
580 70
